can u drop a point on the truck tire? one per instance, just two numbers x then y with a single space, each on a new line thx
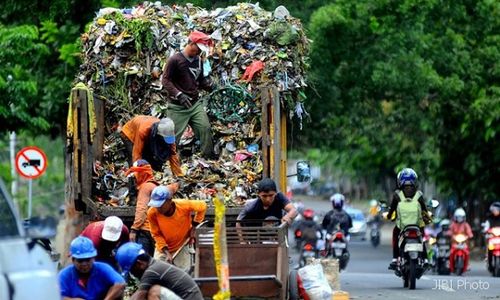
293 286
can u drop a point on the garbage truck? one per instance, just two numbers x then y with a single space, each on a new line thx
83 151
123 54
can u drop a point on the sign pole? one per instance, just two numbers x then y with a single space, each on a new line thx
30 192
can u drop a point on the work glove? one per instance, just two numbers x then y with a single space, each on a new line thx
185 100
427 218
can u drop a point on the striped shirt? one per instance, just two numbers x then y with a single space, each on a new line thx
172 278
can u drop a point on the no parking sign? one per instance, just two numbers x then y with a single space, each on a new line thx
31 162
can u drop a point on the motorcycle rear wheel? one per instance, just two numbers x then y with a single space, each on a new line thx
413 274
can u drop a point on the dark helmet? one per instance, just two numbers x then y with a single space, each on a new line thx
407 176
337 201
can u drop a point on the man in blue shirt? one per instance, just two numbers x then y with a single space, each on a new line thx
269 204
87 279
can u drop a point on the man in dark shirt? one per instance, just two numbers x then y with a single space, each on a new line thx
158 280
270 203
182 78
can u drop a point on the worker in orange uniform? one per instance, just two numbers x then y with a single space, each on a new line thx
152 139
172 226
145 183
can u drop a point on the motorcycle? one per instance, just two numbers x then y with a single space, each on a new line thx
459 255
374 232
493 243
443 243
337 248
298 238
411 258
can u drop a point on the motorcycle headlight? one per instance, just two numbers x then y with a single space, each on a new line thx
496 231
432 241
460 238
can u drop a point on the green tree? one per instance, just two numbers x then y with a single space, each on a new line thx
19 105
409 83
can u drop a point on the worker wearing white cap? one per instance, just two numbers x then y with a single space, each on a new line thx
107 236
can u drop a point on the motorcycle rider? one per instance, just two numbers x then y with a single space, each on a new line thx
459 226
337 216
407 190
311 231
374 212
494 217
492 221
445 226
432 230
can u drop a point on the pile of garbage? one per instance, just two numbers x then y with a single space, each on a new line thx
124 53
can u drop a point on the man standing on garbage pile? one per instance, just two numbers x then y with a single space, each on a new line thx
107 236
158 280
87 279
269 203
152 139
173 227
182 78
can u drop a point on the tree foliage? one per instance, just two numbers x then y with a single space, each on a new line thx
410 83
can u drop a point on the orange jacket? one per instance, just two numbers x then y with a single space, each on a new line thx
141 209
172 231
138 130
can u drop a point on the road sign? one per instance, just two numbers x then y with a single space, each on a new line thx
31 162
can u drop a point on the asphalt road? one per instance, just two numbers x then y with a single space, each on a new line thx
367 276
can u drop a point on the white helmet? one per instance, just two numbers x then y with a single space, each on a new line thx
445 224
373 202
459 215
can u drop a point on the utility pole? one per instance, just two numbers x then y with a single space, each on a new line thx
13 173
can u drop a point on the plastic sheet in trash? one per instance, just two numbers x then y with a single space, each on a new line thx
124 53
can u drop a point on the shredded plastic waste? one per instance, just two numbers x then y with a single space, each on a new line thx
124 53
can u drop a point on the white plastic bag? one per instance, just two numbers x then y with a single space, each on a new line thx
315 283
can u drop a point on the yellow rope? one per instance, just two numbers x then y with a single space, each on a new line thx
91 112
221 267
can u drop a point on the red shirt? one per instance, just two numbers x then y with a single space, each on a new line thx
93 231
